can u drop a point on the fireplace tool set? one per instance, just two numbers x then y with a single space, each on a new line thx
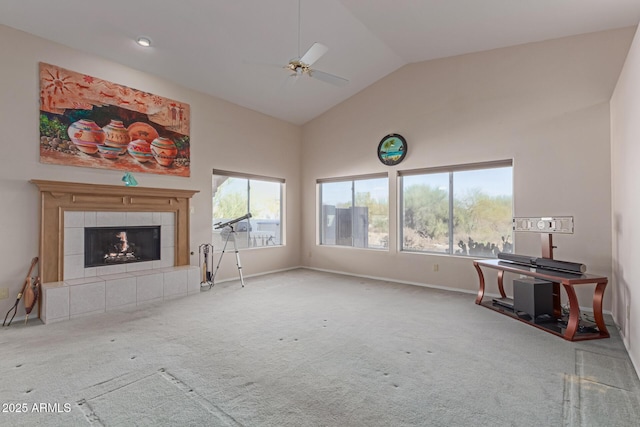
30 292
206 253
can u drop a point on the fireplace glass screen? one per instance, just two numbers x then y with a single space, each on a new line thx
119 245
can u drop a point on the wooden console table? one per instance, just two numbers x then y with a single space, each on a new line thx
574 329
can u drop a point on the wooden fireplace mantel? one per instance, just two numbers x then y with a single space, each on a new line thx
57 197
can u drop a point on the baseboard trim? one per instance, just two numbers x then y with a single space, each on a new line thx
264 273
404 282
428 285
625 342
635 365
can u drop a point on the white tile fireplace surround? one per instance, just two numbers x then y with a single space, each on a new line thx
85 291
70 290
75 223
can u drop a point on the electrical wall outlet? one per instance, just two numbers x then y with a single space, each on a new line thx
4 293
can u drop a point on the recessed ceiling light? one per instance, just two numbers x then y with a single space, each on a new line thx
144 41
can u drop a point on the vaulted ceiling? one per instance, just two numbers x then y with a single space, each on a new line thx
237 49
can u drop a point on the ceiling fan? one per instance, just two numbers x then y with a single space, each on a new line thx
302 64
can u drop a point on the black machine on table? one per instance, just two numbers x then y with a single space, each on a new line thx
545 263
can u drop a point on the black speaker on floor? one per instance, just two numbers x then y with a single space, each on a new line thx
533 296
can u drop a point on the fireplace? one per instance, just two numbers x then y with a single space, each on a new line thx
69 289
120 245
59 200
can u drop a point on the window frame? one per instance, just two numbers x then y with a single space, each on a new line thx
249 177
351 179
450 170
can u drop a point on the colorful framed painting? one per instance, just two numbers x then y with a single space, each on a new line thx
90 122
392 149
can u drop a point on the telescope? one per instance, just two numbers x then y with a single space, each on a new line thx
220 225
231 235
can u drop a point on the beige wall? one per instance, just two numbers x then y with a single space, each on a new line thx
625 166
544 105
223 136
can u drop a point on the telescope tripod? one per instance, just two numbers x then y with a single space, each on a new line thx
230 236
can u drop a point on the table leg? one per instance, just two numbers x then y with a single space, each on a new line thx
557 304
481 277
598 294
574 313
500 283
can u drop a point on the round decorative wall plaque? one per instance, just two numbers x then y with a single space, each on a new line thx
392 149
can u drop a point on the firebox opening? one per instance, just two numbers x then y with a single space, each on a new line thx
119 245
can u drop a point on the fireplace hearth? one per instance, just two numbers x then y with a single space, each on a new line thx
120 245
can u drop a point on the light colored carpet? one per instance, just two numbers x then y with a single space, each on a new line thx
307 348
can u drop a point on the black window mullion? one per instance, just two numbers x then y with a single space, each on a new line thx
248 211
450 212
353 209
401 216
319 203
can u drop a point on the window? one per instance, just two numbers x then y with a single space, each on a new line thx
463 210
355 212
235 195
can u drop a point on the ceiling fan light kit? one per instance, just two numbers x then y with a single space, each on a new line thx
302 64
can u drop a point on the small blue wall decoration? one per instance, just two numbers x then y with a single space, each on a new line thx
129 180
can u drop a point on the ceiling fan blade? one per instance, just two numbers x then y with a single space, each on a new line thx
314 53
328 78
